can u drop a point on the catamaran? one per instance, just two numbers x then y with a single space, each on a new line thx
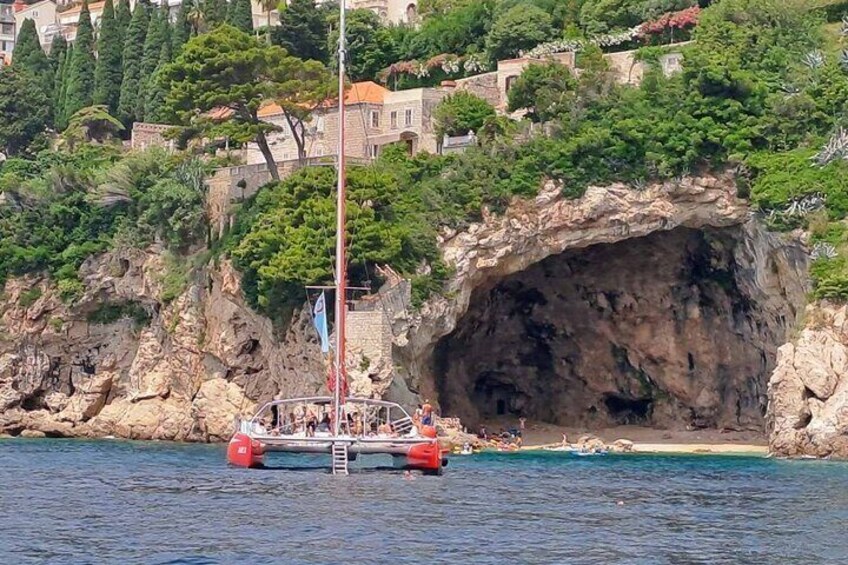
338 425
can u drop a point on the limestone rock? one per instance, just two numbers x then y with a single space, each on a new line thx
33 434
88 399
67 376
621 446
56 401
215 408
808 390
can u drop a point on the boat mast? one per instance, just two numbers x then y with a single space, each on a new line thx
341 261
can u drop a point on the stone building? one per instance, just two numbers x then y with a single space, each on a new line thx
8 31
391 11
374 118
44 15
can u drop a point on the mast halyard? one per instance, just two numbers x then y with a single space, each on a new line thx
341 260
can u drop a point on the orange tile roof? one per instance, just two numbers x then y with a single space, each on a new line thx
92 7
365 92
219 113
269 109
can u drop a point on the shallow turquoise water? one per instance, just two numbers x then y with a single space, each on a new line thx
64 501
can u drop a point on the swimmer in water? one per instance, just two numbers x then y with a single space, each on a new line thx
408 476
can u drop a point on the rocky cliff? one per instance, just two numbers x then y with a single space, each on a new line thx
808 392
662 306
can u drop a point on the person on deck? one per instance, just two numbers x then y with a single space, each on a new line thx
311 424
324 426
427 414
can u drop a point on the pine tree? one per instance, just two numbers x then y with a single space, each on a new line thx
122 17
60 90
107 72
157 39
182 27
302 31
214 13
240 15
81 76
133 52
29 57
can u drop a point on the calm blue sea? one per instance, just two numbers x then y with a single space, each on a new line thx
68 502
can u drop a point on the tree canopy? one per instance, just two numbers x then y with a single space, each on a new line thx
462 112
521 27
24 110
109 69
303 31
232 72
80 87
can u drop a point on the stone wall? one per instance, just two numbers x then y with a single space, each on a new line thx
485 86
146 135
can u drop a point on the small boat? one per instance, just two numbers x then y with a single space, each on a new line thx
566 448
588 453
371 427
340 426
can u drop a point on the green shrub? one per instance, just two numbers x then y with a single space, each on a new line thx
174 278
28 297
111 312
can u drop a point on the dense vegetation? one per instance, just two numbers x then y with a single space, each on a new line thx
764 90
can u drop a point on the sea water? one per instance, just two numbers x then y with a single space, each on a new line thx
68 502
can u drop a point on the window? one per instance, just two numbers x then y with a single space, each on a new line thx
393 119
7 29
407 117
509 81
319 124
375 119
373 151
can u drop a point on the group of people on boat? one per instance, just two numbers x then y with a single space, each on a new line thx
316 421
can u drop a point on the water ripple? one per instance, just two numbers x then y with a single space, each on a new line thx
144 502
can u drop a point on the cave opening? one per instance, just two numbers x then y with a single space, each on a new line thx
667 330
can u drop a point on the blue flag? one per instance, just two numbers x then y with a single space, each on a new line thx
319 318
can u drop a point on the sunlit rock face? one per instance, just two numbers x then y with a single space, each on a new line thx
808 391
674 329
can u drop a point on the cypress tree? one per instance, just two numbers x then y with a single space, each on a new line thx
240 15
107 72
58 51
214 12
133 52
58 54
29 57
122 17
182 27
60 90
157 89
157 39
81 77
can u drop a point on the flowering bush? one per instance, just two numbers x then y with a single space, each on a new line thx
683 19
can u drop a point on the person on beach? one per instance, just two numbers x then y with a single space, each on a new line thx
564 440
521 422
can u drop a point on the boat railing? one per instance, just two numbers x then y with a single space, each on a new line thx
402 425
